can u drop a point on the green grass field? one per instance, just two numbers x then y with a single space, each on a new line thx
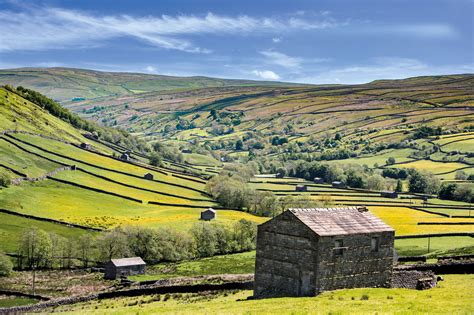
9 301
12 227
452 296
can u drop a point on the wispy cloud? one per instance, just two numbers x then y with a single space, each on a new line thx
48 28
289 62
266 74
282 59
383 68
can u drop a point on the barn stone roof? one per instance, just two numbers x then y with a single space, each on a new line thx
209 210
124 262
340 221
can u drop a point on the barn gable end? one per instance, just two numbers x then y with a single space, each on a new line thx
303 252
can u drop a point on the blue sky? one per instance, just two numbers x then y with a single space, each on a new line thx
314 41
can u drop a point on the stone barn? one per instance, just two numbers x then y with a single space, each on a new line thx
389 194
301 188
318 180
125 157
338 184
208 215
148 176
303 252
124 267
85 146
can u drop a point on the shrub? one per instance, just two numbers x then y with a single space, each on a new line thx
6 266
4 180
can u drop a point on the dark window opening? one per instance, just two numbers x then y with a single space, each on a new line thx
374 244
338 247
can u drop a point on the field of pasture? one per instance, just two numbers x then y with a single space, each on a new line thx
450 296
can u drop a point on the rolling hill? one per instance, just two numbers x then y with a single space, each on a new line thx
422 122
63 187
70 85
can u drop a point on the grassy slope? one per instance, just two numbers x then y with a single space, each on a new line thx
29 154
452 296
67 83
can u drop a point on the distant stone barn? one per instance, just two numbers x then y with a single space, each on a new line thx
303 252
208 214
125 157
124 267
389 194
301 188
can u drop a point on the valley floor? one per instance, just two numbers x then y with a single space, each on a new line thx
452 296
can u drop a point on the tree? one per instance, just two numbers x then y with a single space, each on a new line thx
337 137
245 235
390 161
36 247
447 192
399 187
112 244
375 182
155 159
6 265
460 175
464 193
4 180
239 145
85 249
417 182
206 239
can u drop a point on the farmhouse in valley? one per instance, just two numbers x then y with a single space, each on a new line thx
208 214
116 268
303 252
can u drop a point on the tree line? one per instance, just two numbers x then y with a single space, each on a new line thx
39 249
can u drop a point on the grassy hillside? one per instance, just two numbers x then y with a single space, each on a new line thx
68 84
102 192
451 296
361 124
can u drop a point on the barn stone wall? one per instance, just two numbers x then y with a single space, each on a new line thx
358 266
286 257
292 260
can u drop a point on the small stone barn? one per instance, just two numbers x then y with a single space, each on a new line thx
338 184
148 176
208 214
318 180
389 194
124 266
303 252
125 157
85 145
301 188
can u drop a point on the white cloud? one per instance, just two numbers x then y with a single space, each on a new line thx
281 59
266 74
428 30
276 40
48 28
150 69
382 68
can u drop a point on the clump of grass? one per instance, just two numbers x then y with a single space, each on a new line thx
389 297
364 297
